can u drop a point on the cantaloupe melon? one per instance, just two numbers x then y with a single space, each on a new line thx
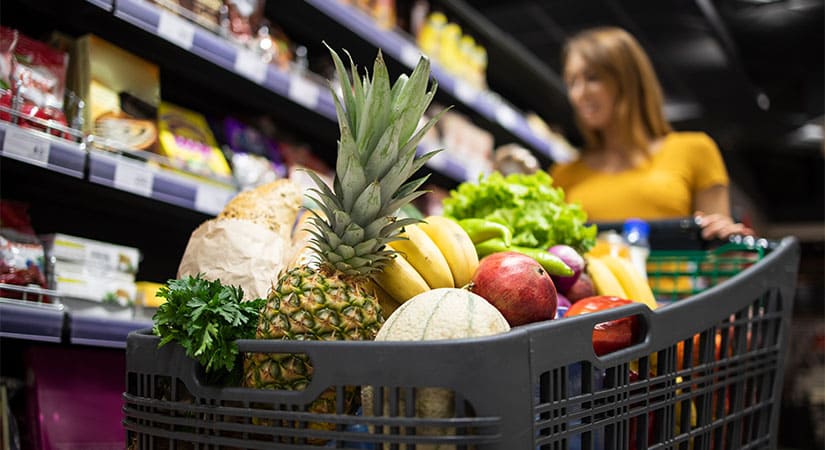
447 313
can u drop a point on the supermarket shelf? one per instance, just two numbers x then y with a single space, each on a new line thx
88 322
104 4
102 332
303 90
146 180
41 149
307 91
403 49
31 319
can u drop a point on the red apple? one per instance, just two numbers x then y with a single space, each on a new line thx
517 286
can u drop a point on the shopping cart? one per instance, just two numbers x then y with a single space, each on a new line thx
706 373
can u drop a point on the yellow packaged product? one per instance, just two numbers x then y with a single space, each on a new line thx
185 138
147 294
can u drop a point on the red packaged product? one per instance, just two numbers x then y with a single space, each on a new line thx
22 257
42 71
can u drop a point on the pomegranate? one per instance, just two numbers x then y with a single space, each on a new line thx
517 286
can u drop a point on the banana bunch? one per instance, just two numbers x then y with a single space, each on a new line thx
613 275
437 253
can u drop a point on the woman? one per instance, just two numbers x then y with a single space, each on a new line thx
633 164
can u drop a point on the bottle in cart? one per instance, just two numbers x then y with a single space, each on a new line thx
635 233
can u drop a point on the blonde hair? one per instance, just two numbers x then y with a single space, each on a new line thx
616 55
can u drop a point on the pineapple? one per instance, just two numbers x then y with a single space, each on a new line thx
334 299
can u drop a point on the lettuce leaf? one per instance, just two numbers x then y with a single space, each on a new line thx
534 210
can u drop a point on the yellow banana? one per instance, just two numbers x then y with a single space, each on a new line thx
401 281
693 412
422 253
388 304
604 280
455 245
633 283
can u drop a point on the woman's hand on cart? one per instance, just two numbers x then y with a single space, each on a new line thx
720 226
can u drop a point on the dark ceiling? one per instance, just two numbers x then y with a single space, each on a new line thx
748 72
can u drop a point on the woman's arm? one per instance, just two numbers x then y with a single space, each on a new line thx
712 206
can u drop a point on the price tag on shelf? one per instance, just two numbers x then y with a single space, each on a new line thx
211 199
250 65
506 116
303 91
134 178
27 146
410 55
177 30
465 92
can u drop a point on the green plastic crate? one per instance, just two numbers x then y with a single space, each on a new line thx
676 274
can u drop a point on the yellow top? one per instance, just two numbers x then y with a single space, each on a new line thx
662 187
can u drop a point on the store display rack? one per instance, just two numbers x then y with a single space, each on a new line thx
44 315
309 90
30 316
402 48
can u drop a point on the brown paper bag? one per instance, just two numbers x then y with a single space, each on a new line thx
238 252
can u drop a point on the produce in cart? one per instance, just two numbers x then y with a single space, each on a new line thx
446 313
534 211
608 336
334 299
517 286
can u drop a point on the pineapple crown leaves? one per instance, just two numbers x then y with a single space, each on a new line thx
379 136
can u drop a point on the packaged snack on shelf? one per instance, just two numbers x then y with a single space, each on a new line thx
186 139
41 68
242 18
255 157
21 253
92 253
276 46
111 81
468 143
21 262
206 13
36 74
513 158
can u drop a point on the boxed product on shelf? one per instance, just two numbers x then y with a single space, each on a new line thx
186 139
94 283
91 270
92 253
147 294
121 92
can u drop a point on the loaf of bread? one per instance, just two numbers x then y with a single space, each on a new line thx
274 205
